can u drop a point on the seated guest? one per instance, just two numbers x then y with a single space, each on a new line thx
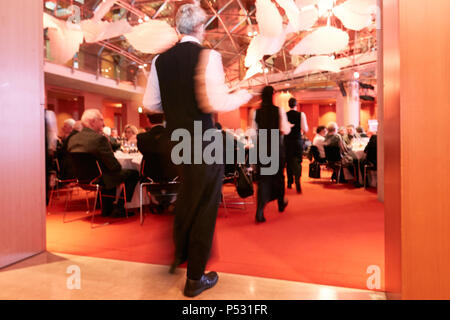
349 159
371 151
342 131
319 141
350 135
65 165
237 147
155 146
91 140
67 128
360 132
129 134
115 145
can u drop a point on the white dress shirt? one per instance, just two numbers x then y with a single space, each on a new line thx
319 142
213 92
304 123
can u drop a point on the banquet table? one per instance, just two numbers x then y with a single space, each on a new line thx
132 161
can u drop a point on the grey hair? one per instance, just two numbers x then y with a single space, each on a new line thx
70 122
188 17
332 126
89 115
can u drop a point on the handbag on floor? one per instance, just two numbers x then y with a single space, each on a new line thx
244 183
314 170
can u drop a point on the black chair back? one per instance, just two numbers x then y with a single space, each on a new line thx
86 167
333 153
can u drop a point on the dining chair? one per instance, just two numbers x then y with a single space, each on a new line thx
334 160
57 182
165 191
368 167
89 175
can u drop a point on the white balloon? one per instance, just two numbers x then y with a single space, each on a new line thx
154 36
95 31
306 3
325 40
269 20
317 64
261 46
64 39
307 18
351 19
292 12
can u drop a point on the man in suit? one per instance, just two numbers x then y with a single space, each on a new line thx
155 146
294 145
91 140
187 84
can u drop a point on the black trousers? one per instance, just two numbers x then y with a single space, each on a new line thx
195 215
294 169
294 158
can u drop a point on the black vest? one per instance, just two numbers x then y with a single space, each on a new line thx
176 71
294 117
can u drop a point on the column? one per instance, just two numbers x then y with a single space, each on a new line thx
22 158
417 183
348 108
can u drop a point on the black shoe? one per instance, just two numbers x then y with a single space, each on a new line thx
282 206
118 212
260 219
260 216
299 188
195 287
289 186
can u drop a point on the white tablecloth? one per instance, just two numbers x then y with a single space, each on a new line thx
129 160
132 161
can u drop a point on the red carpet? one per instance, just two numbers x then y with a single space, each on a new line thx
329 235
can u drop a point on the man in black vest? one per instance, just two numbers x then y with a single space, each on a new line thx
294 145
187 83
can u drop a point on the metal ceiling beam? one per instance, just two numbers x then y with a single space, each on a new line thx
122 52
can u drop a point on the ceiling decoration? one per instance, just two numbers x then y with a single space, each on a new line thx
325 40
64 38
154 36
95 31
270 22
317 64
257 39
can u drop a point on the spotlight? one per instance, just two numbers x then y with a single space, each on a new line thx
140 20
356 75
146 18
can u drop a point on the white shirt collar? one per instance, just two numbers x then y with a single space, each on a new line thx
189 38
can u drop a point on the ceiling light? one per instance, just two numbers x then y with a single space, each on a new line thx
146 18
249 33
140 110
140 20
356 75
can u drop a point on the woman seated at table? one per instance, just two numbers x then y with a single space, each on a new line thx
129 134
